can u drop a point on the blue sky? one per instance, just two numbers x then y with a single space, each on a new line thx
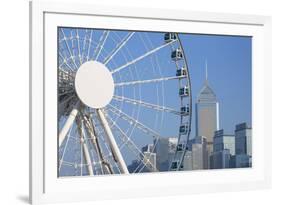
229 74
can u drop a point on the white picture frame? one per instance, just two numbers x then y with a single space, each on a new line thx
45 187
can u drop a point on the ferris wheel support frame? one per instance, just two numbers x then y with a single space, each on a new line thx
91 132
70 120
112 143
85 147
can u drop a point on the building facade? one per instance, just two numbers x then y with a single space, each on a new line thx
224 141
223 150
221 159
164 149
199 153
187 161
243 137
243 145
207 114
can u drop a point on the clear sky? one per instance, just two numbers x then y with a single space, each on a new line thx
229 74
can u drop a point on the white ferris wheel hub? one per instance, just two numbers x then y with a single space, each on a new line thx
94 84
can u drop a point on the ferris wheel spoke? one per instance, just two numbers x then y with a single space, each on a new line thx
66 163
64 62
63 70
100 45
140 167
146 104
78 42
141 57
149 81
68 49
132 120
69 122
84 45
118 47
131 145
90 43
68 73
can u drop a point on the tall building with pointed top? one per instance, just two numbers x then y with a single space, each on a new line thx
207 113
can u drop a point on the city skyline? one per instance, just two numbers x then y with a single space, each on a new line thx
218 150
229 74
229 151
206 96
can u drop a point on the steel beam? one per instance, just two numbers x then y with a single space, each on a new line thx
112 143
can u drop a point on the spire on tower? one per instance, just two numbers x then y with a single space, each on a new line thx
206 93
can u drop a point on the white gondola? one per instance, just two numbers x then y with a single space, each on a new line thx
183 129
183 92
168 37
181 72
180 147
175 164
177 55
185 110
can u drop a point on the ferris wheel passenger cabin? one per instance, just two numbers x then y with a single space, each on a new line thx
183 92
168 37
177 54
175 164
183 129
185 110
181 72
180 147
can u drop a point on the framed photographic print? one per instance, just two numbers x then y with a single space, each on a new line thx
127 103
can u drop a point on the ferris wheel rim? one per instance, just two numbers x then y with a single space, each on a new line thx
190 110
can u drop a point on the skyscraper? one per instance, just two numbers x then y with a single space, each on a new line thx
198 145
224 141
164 149
243 145
243 137
220 159
207 113
187 161
223 150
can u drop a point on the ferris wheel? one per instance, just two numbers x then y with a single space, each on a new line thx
117 92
